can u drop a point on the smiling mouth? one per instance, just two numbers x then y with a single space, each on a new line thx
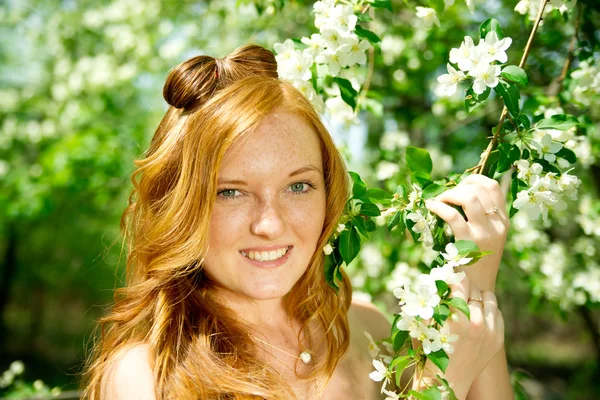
266 255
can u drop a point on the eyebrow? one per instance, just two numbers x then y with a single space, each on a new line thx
299 171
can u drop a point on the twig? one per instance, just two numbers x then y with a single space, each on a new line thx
486 154
371 66
571 53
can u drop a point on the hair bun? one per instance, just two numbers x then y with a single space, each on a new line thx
192 82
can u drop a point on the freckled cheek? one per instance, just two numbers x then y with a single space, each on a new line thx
306 218
227 224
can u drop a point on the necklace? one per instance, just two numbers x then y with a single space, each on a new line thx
305 355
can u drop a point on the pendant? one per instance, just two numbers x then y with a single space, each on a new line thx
305 357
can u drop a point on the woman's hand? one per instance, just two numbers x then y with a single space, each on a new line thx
487 223
479 339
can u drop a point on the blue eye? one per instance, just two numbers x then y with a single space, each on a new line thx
227 193
301 187
298 187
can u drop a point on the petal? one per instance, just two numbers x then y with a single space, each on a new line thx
503 44
491 38
492 81
479 86
502 57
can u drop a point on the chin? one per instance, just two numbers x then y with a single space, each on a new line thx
268 291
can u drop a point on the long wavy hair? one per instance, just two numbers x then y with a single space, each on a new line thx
198 347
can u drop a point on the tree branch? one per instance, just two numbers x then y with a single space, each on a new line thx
479 169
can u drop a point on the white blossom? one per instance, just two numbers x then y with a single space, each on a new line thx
486 75
535 201
449 82
428 15
424 298
373 348
423 226
494 49
446 274
547 148
355 52
447 338
453 258
381 373
463 56
525 172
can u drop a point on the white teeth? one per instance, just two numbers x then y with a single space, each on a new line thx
265 255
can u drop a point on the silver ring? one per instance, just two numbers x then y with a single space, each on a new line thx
494 211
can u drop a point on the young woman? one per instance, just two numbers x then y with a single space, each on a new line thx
226 299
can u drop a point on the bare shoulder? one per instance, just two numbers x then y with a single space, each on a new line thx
365 316
130 375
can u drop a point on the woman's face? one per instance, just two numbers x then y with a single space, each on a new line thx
270 209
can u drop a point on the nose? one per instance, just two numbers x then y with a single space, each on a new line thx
268 222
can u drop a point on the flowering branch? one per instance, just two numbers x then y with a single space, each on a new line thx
537 186
480 168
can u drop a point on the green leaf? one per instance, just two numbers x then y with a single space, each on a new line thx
433 190
359 224
364 17
370 210
489 25
394 220
387 4
359 188
402 192
347 91
567 154
349 245
419 396
399 339
433 392
474 100
442 288
423 179
441 313
515 74
515 187
439 358
418 160
524 122
459 304
511 96
379 194
399 364
329 269
370 225
465 247
508 155
338 274
561 122
366 34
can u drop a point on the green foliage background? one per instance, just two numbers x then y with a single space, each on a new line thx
80 97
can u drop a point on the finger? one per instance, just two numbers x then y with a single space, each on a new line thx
493 190
459 321
456 221
499 324
475 297
465 196
490 308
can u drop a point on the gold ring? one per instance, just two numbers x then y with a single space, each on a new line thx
494 211
479 299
